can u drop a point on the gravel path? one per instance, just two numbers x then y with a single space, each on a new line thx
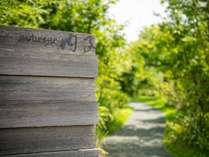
141 137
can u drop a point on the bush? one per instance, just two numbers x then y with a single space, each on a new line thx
113 104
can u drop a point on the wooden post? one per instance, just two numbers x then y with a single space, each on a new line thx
47 93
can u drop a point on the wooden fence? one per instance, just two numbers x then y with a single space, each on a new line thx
47 93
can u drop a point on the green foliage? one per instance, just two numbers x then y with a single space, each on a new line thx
113 102
178 51
87 16
139 78
190 67
182 150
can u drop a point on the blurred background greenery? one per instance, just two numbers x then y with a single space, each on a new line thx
167 67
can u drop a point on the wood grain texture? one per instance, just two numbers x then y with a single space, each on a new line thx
47 41
43 101
46 139
46 53
44 63
15 114
46 88
79 153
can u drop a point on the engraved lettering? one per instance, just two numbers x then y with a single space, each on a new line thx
70 42
89 45
47 41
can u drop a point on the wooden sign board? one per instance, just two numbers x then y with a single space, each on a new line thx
47 93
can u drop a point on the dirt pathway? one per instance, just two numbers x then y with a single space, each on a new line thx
141 137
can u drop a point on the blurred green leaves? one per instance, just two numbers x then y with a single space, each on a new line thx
170 60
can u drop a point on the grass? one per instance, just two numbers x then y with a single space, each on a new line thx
178 149
120 118
181 150
158 103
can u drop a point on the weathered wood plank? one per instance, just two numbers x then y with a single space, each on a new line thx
46 53
15 114
46 88
16 62
47 41
79 153
42 101
46 139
